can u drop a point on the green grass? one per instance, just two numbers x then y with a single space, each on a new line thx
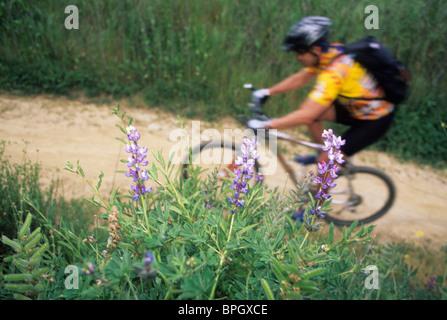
192 57
21 179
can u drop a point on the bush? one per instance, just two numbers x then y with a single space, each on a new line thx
190 239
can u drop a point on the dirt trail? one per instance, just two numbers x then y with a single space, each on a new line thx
56 130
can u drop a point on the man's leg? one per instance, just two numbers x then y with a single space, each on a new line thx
316 130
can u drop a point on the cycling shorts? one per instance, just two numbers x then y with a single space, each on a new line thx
362 133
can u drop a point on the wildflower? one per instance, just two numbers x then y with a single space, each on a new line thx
136 159
245 173
148 259
431 285
145 271
208 201
327 173
132 133
89 268
191 262
114 228
419 233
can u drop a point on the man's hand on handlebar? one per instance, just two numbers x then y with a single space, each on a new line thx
256 124
260 96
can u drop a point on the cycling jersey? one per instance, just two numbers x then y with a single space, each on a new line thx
343 76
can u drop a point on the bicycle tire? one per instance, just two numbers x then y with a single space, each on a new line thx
371 173
211 145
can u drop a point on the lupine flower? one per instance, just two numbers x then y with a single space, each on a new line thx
89 268
132 133
146 272
208 202
136 159
327 171
431 285
148 259
245 173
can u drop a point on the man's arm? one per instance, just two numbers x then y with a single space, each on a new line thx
293 82
308 112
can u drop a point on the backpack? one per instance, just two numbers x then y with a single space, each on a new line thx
389 72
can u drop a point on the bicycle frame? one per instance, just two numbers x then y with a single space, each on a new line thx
355 195
289 138
256 109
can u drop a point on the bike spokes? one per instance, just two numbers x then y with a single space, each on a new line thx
364 194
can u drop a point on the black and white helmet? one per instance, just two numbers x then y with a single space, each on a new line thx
307 32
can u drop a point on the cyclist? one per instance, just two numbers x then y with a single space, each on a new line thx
337 78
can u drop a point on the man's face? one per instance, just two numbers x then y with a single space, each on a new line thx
309 58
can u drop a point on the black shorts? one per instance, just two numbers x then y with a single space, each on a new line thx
362 133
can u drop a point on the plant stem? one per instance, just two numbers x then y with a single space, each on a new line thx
222 259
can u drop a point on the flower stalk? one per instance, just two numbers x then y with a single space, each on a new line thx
327 173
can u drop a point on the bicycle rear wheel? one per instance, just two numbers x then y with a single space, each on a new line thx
362 193
215 158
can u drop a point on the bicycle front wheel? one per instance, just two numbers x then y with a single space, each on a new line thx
362 193
213 159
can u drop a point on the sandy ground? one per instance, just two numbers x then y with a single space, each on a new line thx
53 131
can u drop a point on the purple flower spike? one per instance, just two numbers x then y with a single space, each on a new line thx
244 174
327 171
148 259
136 159
132 133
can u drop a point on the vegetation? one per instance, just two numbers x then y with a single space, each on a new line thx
192 57
185 239
188 239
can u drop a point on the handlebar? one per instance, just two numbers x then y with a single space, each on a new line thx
256 105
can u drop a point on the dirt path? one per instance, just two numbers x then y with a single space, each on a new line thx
56 130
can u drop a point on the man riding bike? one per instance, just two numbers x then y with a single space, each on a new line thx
338 77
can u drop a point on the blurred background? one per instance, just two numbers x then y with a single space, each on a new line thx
192 57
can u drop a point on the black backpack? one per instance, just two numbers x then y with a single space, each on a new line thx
389 72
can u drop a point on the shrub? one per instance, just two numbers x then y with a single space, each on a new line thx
190 239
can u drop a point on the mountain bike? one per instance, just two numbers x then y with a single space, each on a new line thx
362 193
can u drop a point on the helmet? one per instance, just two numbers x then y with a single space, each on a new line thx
307 32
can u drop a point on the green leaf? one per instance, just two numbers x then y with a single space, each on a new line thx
175 209
330 236
247 228
101 175
113 196
121 128
93 201
80 170
69 165
121 140
126 246
352 227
